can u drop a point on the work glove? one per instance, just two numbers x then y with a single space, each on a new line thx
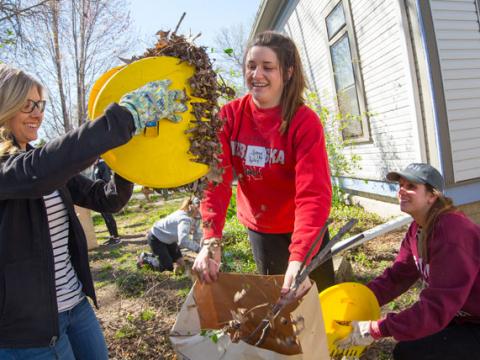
360 335
208 261
289 280
152 102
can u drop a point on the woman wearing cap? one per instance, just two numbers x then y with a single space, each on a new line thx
45 277
442 249
171 233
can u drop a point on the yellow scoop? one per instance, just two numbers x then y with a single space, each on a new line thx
341 304
97 86
159 157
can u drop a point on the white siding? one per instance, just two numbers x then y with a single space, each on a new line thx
386 78
458 40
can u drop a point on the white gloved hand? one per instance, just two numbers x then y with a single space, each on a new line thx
292 271
360 336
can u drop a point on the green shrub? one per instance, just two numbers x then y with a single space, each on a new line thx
232 207
131 283
147 315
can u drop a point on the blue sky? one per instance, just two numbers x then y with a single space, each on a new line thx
207 16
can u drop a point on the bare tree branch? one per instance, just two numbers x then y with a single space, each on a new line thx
12 9
232 41
69 44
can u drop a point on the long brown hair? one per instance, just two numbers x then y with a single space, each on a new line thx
288 58
14 88
442 205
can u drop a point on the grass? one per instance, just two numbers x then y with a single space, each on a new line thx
139 216
159 295
237 255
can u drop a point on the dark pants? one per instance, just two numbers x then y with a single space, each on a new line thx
167 253
271 254
111 224
455 342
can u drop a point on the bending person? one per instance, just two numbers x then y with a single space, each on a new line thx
276 147
171 233
45 277
442 249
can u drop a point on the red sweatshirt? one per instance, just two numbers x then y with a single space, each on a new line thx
283 180
451 279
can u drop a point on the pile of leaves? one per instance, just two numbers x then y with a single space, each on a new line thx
204 145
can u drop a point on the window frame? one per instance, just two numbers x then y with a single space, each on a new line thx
477 6
348 29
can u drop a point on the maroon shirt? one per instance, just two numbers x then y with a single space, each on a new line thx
451 279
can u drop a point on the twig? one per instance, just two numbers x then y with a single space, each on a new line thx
282 301
196 37
18 12
265 324
179 22
153 287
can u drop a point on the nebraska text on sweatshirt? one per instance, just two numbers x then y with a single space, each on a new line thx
283 180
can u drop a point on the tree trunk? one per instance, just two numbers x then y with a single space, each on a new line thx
55 11
80 13
82 113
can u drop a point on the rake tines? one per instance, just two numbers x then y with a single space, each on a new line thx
347 353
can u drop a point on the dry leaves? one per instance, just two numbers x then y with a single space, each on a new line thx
204 144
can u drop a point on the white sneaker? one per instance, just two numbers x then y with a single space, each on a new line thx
140 260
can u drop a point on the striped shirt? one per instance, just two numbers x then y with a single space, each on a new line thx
68 287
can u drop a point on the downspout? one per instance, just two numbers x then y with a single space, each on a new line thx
432 88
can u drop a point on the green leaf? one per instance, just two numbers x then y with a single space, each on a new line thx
214 338
228 51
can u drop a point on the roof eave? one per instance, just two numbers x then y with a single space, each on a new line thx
267 16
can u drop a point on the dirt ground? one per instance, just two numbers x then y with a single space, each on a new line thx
138 308
136 312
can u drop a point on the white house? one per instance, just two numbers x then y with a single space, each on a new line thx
413 66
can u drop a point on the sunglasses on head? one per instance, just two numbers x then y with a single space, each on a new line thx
30 105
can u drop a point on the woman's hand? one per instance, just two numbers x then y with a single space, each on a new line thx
207 263
289 280
152 102
361 335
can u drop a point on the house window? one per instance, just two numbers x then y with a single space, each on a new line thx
346 73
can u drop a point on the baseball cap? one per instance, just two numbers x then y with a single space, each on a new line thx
419 173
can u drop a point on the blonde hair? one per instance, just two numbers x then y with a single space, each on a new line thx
186 204
14 87
189 204
441 206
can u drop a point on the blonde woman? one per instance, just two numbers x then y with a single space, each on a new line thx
44 272
171 233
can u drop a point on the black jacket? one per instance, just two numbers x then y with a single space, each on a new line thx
28 305
101 171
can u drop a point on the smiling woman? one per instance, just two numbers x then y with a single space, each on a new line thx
264 77
24 124
17 112
441 248
44 272
276 147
